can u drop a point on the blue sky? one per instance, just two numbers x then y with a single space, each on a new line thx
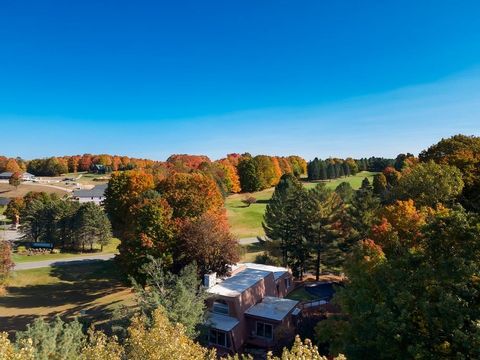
314 78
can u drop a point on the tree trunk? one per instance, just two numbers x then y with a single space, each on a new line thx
317 275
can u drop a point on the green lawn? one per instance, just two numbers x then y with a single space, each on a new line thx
248 253
247 221
90 291
109 249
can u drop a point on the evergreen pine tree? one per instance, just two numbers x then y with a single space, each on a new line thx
275 217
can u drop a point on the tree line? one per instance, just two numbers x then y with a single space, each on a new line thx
67 224
233 174
333 168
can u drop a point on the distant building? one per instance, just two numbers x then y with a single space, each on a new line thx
96 194
247 308
98 169
24 176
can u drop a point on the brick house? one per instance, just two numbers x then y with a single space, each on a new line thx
247 308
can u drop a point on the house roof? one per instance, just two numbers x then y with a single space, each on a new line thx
245 278
272 308
236 284
221 322
96 191
4 201
277 271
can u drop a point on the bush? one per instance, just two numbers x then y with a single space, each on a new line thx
21 249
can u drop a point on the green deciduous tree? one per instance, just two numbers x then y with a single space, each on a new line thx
464 153
429 184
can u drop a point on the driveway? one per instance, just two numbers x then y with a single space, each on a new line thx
61 262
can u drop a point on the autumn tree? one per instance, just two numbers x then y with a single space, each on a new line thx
150 233
6 263
191 195
14 209
413 292
12 166
266 171
233 181
392 176
47 167
123 191
15 180
207 241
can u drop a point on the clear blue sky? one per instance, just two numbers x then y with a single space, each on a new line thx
314 78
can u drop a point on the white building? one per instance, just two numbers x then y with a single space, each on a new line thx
96 194
24 176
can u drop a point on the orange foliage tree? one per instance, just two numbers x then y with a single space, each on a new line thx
191 195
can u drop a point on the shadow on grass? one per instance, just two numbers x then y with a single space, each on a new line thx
74 289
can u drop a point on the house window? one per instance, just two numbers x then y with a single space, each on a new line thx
287 282
264 330
220 307
219 338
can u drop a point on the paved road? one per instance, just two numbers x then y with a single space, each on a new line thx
61 262
248 241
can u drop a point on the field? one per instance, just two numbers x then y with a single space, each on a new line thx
9 191
109 249
89 291
247 221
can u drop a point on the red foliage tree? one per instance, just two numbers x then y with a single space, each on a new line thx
207 241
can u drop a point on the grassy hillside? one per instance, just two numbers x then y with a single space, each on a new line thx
247 221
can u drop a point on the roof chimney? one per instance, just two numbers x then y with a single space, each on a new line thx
209 280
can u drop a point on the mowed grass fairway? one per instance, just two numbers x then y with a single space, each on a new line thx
247 221
90 291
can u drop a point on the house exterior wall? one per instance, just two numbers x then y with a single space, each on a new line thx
245 331
280 288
